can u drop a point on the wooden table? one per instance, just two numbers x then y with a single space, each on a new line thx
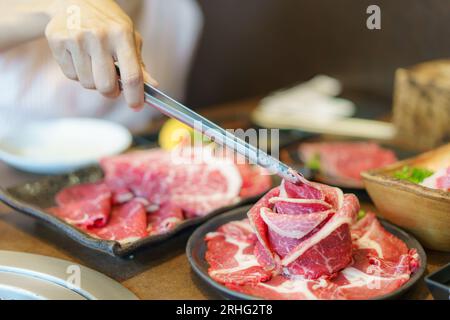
159 272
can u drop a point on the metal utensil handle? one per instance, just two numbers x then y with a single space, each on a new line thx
174 109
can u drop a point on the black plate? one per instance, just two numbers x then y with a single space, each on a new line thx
196 248
35 197
439 283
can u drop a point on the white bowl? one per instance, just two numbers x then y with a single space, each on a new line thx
62 145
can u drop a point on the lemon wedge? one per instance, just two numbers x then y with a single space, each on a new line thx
174 132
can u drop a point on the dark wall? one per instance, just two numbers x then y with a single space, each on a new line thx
251 47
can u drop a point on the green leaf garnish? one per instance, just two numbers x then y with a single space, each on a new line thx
361 214
314 162
412 174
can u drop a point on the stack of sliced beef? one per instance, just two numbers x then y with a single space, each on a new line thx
303 242
150 192
304 229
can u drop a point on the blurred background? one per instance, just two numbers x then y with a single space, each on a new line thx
353 102
250 48
226 58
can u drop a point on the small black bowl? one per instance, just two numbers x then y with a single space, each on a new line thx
439 283
196 248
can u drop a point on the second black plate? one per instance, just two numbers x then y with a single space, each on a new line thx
196 249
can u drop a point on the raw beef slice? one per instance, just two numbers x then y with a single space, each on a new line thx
196 186
230 255
163 219
304 236
255 180
84 205
128 223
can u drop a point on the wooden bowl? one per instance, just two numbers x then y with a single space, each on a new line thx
422 211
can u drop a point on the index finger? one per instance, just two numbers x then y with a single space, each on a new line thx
131 72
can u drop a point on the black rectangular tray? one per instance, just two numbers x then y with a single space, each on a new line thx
34 198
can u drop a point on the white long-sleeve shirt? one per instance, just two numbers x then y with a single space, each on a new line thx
32 86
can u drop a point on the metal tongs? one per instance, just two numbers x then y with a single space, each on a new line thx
174 109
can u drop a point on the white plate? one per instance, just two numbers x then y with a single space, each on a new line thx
62 145
26 276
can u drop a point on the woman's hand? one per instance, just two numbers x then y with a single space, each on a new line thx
87 37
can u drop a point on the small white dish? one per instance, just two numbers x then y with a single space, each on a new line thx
62 145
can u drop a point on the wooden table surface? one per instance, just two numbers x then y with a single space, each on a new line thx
158 272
